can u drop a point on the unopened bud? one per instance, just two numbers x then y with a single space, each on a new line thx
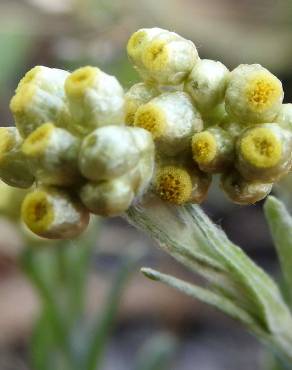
54 214
213 150
52 153
14 169
253 95
242 191
95 99
171 119
264 152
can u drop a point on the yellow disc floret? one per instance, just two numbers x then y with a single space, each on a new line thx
155 56
22 98
204 147
173 184
261 148
7 141
80 80
29 77
136 43
152 119
262 91
37 211
36 143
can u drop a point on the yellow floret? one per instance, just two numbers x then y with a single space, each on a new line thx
262 91
204 147
173 184
36 143
29 77
261 148
80 80
7 141
37 212
135 43
152 119
155 56
22 99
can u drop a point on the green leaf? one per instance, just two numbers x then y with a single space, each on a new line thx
156 354
213 299
280 224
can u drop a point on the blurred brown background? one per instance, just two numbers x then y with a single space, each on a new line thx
71 33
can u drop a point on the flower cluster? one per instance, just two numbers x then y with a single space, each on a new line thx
206 120
71 145
86 147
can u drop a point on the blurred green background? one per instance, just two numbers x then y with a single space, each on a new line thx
70 33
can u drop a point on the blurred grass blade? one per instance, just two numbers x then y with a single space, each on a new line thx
216 300
280 224
102 329
156 354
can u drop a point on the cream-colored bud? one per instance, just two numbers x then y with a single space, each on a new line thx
14 169
213 150
54 214
241 191
108 152
95 99
108 198
233 128
40 98
253 94
142 174
284 117
169 58
171 119
207 84
264 152
52 154
136 96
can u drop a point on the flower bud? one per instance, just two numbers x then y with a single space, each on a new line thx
108 152
241 191
138 41
169 58
173 184
39 98
95 99
207 84
108 198
264 152
54 214
213 149
253 94
143 172
171 119
136 96
14 169
52 154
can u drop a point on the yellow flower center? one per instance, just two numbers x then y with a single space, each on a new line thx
29 77
263 91
151 118
261 148
136 43
204 147
36 143
80 80
155 56
173 184
22 99
37 211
